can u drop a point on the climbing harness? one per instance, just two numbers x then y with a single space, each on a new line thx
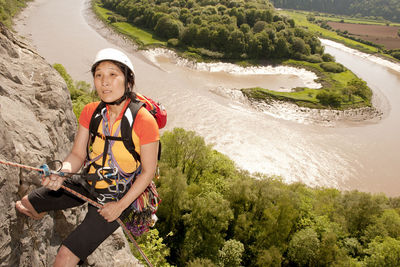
45 171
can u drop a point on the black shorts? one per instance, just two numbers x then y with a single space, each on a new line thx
88 235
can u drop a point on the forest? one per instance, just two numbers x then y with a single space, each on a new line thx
214 214
220 29
387 9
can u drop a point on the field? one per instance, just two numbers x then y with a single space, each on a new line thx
379 34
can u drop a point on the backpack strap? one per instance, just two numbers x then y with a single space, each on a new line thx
126 127
94 124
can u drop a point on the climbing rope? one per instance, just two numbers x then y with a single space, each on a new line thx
44 169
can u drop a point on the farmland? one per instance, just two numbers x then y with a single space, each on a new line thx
378 34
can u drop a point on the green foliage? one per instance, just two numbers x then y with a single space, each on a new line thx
360 88
231 254
329 98
225 29
80 91
9 8
207 223
332 67
328 57
186 151
396 55
168 28
227 217
303 248
154 248
199 262
383 253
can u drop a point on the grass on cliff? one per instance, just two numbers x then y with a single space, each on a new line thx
80 91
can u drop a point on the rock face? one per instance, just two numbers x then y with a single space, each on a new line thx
37 125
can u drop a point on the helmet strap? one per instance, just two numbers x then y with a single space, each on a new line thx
118 101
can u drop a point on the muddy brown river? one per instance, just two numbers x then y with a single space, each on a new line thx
283 141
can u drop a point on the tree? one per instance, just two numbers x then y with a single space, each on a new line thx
299 46
206 226
186 150
281 48
236 43
168 28
361 88
153 246
259 26
303 248
270 257
383 253
328 98
231 254
190 34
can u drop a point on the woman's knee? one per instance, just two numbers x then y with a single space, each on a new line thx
65 258
27 204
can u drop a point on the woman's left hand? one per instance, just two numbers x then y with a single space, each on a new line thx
111 211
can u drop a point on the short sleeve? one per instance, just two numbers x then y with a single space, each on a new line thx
146 127
86 114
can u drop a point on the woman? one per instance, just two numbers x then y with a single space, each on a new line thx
113 76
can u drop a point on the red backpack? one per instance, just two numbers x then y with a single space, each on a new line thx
155 108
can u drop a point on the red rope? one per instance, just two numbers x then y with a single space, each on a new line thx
20 166
94 203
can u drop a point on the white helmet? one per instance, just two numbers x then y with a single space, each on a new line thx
115 55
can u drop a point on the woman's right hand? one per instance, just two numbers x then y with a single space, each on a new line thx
53 182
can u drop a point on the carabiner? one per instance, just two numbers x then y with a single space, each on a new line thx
117 188
107 175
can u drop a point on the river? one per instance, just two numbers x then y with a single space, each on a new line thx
200 97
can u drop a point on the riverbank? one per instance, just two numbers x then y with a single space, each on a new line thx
313 76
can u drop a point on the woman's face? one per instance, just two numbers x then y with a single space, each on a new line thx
109 81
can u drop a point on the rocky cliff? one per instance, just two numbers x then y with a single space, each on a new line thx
37 125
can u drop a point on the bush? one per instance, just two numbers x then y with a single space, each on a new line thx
173 42
313 58
328 58
332 67
329 99
396 55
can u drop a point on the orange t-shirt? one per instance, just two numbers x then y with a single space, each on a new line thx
144 131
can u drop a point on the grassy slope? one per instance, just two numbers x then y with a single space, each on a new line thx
140 36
